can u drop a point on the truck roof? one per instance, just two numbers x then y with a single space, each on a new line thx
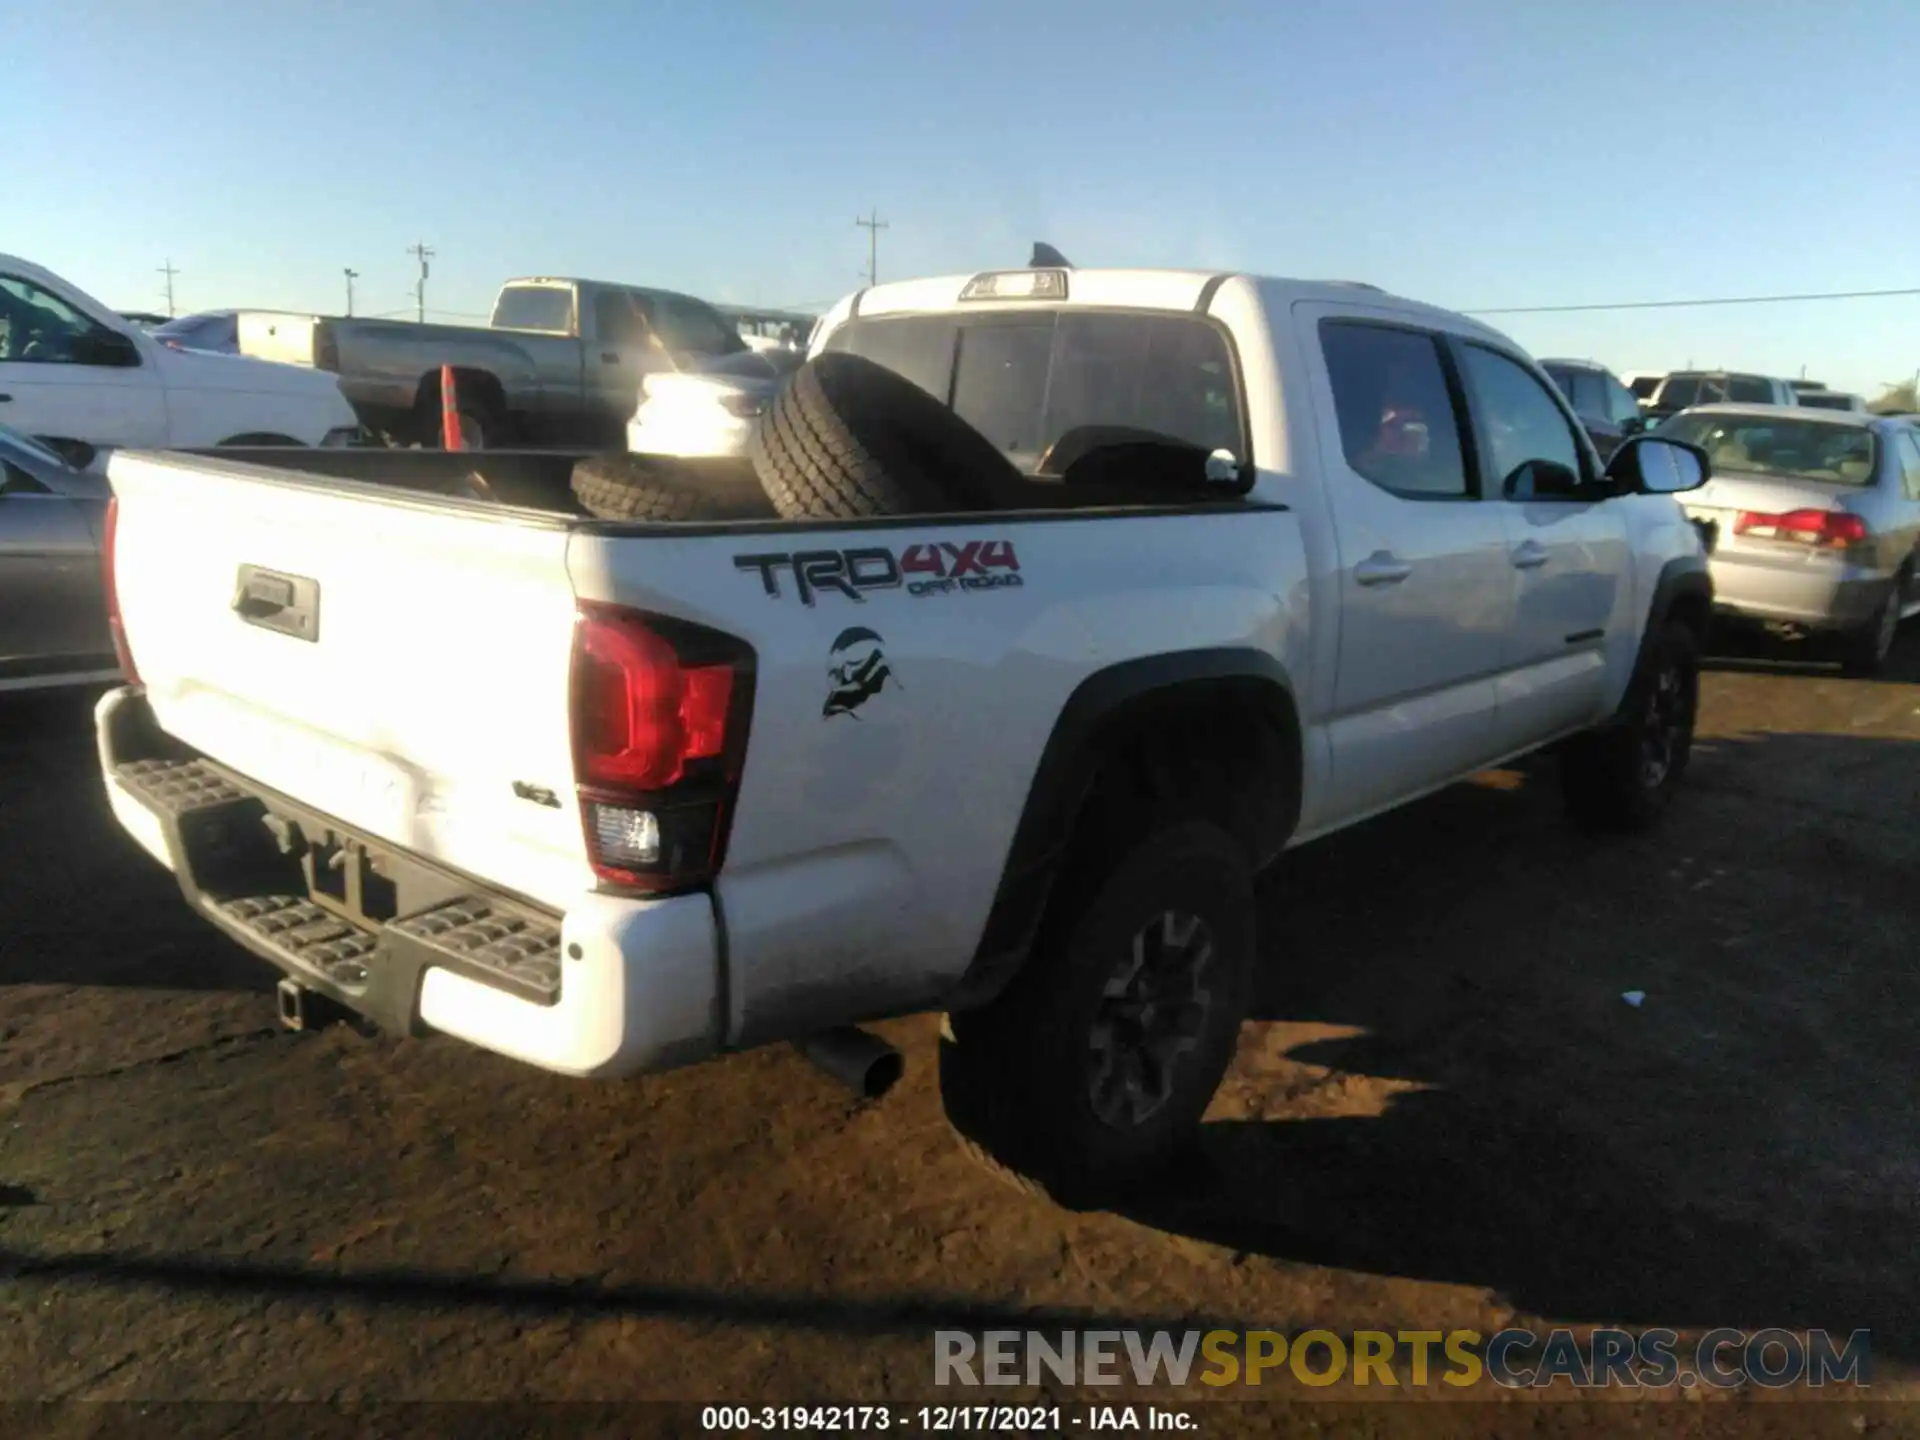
1146 289
579 281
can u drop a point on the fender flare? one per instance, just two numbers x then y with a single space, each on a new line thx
1085 733
1684 584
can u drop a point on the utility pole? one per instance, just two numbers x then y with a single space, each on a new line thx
873 225
168 271
424 254
352 275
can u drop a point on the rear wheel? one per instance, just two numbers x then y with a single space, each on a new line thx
1092 1070
1624 776
1865 651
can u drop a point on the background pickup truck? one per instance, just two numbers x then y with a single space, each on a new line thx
560 363
617 796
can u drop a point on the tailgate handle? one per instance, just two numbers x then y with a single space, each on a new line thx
287 604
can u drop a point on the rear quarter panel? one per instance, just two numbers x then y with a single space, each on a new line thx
869 842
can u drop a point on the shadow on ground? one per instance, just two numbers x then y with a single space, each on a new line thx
88 907
1443 1082
1447 1083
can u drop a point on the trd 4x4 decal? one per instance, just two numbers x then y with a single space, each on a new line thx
936 567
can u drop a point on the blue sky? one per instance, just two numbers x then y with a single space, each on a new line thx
1473 153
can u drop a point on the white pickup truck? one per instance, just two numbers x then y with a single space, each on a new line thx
82 379
610 797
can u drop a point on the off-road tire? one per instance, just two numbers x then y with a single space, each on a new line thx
847 438
633 487
1016 1075
1606 775
1864 652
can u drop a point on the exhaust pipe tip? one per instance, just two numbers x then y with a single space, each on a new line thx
864 1063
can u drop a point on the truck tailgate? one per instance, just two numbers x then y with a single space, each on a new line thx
401 666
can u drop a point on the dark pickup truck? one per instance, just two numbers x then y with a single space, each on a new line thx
560 363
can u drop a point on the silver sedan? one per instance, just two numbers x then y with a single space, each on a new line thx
1813 519
53 612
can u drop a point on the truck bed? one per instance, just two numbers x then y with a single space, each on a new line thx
350 643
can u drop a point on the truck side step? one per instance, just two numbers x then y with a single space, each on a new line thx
369 964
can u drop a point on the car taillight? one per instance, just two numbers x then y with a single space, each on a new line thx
659 712
1828 529
109 583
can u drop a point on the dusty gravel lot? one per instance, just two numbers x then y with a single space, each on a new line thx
1444 1116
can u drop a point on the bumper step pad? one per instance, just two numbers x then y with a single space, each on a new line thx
521 950
311 937
176 787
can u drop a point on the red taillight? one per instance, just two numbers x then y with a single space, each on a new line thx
659 714
1830 528
109 583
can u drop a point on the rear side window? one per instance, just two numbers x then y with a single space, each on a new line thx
1398 427
616 320
534 307
1589 395
1750 390
1644 386
687 326
1680 393
1028 379
1621 406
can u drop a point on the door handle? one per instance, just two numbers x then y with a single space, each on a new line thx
1381 568
609 357
1530 556
5 398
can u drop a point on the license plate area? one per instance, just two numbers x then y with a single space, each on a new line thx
345 877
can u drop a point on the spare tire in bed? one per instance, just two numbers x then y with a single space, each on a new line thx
847 438
648 488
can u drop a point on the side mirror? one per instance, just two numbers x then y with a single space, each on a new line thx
1655 465
1545 480
109 348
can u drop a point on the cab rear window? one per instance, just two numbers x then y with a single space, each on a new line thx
534 307
1025 379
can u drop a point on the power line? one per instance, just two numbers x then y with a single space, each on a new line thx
1676 304
168 271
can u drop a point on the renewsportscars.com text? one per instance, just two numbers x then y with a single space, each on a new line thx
1516 1359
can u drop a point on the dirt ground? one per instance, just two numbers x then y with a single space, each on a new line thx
1444 1115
